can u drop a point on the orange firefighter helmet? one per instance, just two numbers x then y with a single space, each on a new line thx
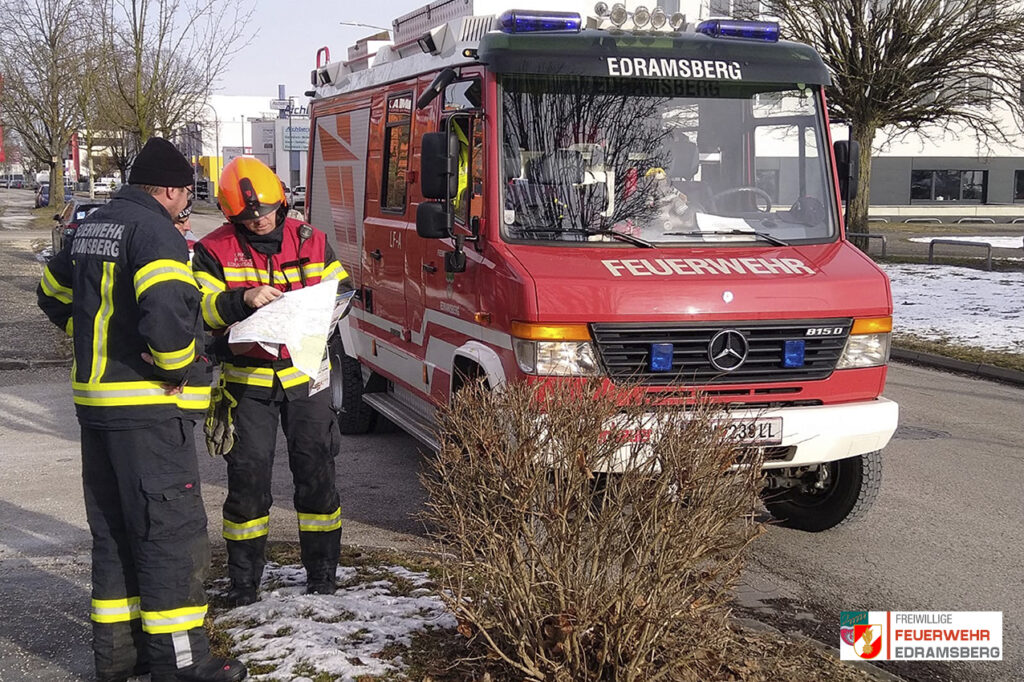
248 189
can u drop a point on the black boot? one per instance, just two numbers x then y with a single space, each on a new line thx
320 579
211 669
138 670
242 595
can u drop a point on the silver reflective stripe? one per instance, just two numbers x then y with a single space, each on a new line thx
152 622
131 610
247 532
182 649
318 522
117 392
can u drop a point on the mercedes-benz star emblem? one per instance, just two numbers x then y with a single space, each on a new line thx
727 350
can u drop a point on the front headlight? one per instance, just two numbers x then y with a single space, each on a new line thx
865 350
556 358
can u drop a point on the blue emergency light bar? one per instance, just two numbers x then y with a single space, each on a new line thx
767 31
523 21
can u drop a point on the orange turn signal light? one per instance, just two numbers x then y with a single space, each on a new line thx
550 332
872 325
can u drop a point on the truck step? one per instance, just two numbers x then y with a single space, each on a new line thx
413 423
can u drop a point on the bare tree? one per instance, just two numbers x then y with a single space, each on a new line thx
40 57
165 57
909 65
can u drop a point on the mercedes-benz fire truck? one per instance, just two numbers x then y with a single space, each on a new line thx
534 194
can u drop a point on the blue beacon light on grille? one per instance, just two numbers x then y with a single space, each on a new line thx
767 31
661 357
793 354
520 21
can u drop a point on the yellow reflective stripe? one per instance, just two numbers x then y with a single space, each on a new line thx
208 281
69 328
252 376
334 271
176 620
210 314
244 275
159 271
246 530
130 393
174 359
320 523
101 324
291 376
115 610
54 289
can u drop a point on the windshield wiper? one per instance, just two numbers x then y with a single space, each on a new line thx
753 233
621 236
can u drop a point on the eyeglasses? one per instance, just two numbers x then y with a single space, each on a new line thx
191 192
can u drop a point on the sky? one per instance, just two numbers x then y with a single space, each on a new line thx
288 35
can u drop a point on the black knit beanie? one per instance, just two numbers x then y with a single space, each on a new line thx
161 164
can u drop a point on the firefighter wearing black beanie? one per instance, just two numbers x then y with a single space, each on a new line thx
160 164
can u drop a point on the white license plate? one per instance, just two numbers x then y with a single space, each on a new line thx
761 431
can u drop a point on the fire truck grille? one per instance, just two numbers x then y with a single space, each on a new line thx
626 351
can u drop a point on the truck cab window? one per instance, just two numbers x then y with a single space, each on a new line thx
396 153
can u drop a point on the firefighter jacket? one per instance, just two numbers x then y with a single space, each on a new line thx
225 265
123 288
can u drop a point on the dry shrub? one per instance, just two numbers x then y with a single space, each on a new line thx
564 574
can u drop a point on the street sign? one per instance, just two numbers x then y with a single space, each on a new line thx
279 104
296 137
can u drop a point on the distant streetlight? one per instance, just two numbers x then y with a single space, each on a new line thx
354 23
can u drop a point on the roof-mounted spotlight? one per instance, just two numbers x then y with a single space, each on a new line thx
618 15
431 41
601 9
677 21
641 16
658 19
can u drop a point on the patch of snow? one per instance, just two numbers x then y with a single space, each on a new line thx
959 305
996 242
341 634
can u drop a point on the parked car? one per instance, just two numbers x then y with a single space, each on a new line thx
43 195
101 188
75 211
17 184
5 183
298 197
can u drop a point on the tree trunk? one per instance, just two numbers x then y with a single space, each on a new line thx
57 182
857 219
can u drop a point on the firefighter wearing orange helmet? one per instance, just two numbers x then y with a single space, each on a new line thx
263 252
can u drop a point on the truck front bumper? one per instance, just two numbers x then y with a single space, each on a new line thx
825 433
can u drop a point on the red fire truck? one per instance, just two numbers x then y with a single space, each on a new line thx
536 194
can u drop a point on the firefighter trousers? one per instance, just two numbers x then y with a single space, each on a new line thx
150 550
311 432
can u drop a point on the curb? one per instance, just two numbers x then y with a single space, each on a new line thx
832 652
6 364
1009 376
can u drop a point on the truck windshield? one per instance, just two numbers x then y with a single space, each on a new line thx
666 162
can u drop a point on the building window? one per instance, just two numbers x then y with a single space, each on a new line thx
719 8
396 153
1018 185
968 186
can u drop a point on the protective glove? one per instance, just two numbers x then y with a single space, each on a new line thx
219 427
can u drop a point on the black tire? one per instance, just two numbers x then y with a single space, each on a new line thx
853 487
347 388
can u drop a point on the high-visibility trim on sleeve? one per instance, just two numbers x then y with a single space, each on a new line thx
115 610
291 376
246 530
208 281
159 271
134 393
334 271
211 315
320 523
54 289
101 324
175 620
69 328
176 359
245 274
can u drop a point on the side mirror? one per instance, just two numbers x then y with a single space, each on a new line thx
439 171
442 81
432 220
847 167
